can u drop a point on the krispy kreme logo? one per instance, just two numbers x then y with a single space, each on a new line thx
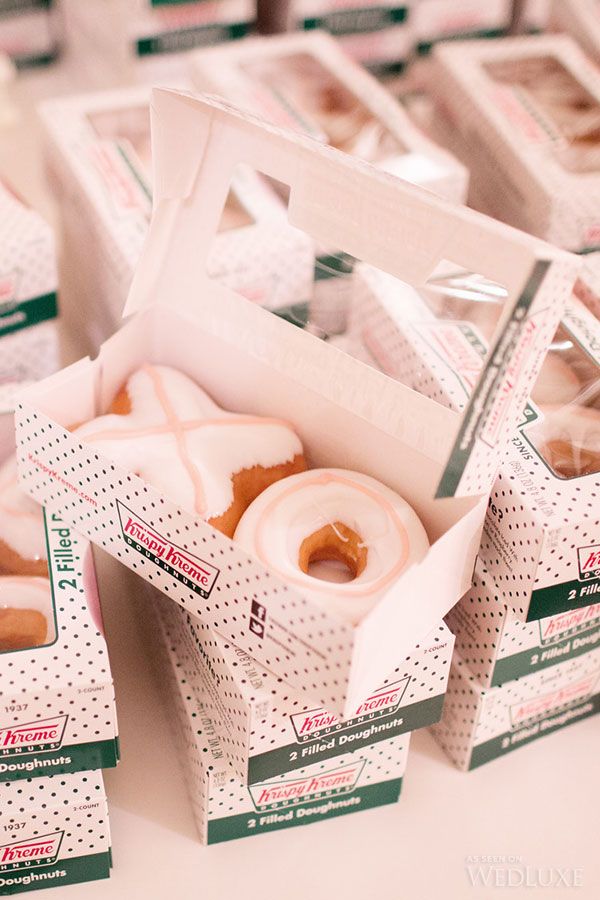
522 336
588 559
192 571
459 347
566 624
32 853
563 697
280 794
43 734
317 723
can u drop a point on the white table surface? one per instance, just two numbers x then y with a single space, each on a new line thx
536 810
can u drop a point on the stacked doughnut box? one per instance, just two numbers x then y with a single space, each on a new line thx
533 605
57 710
294 696
58 723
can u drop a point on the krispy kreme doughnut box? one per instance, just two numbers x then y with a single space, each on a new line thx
480 724
28 306
126 40
345 413
53 832
306 82
57 705
100 158
268 729
541 538
225 807
442 20
498 647
377 35
520 111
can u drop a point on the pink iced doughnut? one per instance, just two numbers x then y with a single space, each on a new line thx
334 515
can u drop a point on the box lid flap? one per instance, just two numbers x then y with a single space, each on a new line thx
198 141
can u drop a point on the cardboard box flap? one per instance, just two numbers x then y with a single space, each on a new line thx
198 142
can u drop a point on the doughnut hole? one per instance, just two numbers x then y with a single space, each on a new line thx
336 543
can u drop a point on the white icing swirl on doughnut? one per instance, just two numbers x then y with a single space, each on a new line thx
275 525
21 518
186 446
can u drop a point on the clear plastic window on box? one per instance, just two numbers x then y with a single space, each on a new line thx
328 109
567 113
568 396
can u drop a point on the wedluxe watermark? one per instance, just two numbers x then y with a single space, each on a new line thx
515 872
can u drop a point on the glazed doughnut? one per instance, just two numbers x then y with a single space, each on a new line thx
334 515
557 383
25 612
213 463
22 536
569 440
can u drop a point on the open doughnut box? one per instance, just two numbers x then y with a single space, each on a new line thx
347 414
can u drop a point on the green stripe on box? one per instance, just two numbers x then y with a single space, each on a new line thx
36 60
504 743
233 827
289 758
297 313
485 392
78 758
381 69
424 47
22 6
14 317
333 265
361 20
186 38
543 657
555 599
65 871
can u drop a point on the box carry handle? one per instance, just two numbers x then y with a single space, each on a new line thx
198 141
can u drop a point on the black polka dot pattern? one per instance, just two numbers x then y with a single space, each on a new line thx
214 791
474 715
69 810
64 690
258 712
